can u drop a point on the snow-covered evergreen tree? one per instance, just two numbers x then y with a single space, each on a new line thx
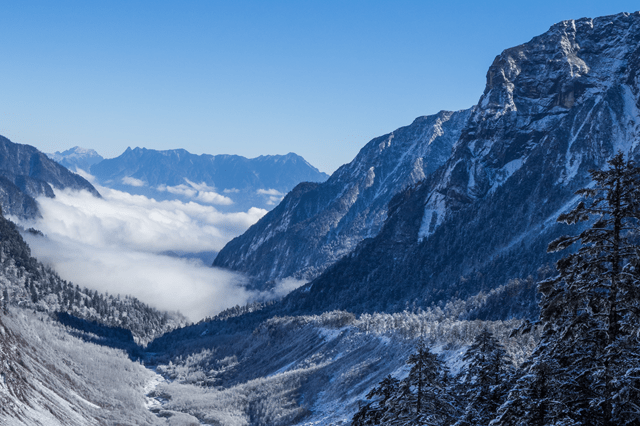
585 369
430 401
536 397
382 407
424 397
485 379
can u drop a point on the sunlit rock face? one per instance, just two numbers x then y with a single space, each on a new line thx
552 109
316 224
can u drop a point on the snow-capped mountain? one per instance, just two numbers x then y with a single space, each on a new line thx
77 158
316 224
26 173
230 182
553 108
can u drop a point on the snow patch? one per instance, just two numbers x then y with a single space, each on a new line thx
434 214
370 177
506 172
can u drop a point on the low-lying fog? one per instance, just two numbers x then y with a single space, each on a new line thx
116 244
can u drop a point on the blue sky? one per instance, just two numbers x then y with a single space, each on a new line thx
319 78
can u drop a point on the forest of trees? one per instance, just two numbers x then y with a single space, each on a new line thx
586 368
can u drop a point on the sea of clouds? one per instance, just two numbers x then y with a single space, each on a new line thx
118 243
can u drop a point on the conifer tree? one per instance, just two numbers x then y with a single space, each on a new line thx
382 408
424 397
485 379
585 369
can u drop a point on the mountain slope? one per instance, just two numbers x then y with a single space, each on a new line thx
240 182
316 224
49 378
26 173
552 109
303 370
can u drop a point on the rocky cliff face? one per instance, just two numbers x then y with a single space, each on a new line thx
568 98
26 173
552 109
316 224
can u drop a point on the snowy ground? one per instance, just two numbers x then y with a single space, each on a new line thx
52 378
288 371
308 370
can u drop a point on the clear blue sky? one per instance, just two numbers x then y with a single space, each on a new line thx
319 78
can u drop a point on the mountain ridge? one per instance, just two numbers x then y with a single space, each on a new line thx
487 214
113 168
321 223
232 182
27 174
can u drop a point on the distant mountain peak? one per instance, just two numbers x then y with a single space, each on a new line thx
75 151
76 158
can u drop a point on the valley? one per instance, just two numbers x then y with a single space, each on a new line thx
474 267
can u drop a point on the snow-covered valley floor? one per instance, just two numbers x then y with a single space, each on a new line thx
287 371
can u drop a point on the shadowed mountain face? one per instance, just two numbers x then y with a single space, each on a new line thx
316 224
552 109
230 182
26 173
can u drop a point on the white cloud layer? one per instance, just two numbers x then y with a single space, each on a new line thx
283 287
165 282
131 181
115 243
197 191
139 223
274 195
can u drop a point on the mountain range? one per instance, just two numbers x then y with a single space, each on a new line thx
552 109
432 234
230 182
